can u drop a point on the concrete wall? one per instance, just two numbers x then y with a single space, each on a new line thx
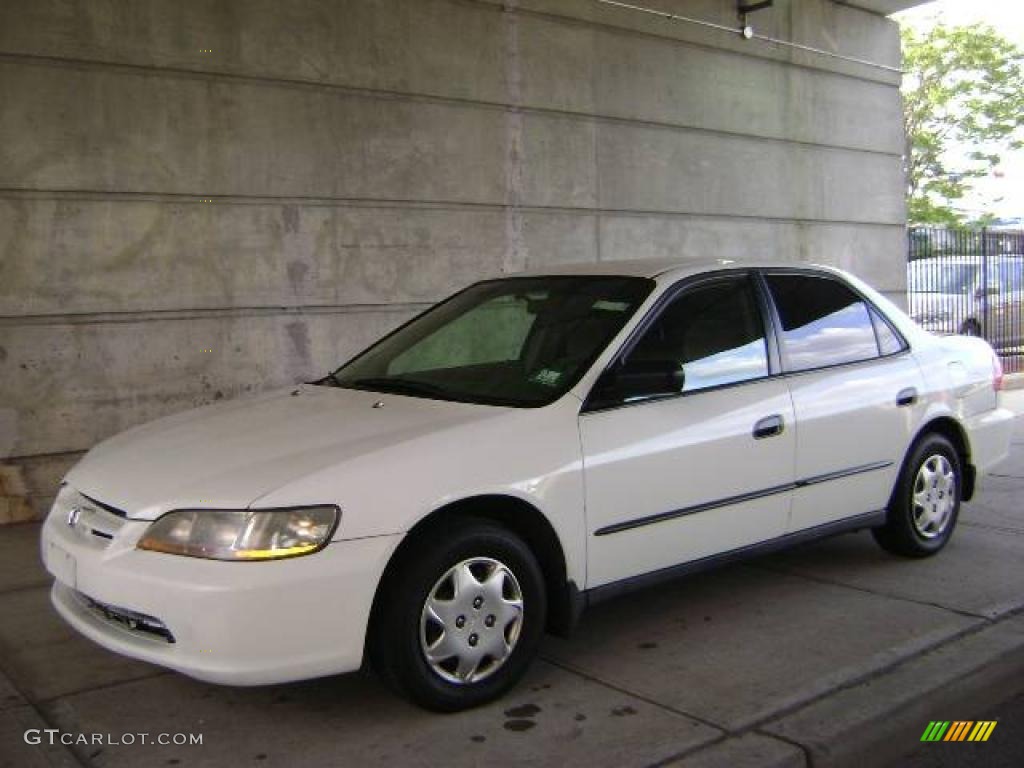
200 199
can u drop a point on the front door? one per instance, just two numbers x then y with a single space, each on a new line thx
675 477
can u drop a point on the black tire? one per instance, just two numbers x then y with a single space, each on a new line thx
908 530
394 641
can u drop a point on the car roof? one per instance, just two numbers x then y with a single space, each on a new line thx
668 269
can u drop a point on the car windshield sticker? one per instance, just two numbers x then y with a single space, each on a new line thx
611 306
547 377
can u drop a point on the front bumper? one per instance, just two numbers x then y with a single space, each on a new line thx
238 623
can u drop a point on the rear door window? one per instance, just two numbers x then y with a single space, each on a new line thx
823 322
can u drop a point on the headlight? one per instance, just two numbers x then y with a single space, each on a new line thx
255 534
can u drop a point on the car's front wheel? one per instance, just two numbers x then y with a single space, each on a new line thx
461 618
925 504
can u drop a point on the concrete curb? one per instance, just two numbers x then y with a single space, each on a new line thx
752 750
885 715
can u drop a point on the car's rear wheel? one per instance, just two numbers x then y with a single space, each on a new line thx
461 618
925 504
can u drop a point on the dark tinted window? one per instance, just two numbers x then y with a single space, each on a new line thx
823 322
714 332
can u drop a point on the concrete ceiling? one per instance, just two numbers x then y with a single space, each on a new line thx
883 6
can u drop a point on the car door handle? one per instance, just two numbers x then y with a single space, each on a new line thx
769 426
906 397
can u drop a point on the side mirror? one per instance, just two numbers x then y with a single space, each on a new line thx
636 380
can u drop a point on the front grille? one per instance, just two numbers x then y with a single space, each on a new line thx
126 619
106 507
93 519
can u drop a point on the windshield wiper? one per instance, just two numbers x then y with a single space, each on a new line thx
400 386
331 377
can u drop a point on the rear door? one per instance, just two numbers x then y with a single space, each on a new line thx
708 469
856 393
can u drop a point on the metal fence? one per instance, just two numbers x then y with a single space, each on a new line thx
969 281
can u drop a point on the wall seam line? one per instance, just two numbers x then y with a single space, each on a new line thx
200 198
450 101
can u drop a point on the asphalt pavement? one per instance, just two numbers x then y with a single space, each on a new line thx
829 655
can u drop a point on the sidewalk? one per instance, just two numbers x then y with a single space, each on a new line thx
835 653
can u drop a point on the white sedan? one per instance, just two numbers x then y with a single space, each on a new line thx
526 447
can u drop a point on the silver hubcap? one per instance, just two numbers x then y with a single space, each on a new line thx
471 620
934 496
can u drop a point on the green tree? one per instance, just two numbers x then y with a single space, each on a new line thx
963 106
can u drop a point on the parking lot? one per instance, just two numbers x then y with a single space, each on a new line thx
828 653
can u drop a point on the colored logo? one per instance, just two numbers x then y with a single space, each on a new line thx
958 730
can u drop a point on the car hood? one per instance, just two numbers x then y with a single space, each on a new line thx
228 455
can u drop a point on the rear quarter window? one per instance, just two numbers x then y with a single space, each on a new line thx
888 342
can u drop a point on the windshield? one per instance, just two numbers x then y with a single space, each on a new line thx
517 341
939 277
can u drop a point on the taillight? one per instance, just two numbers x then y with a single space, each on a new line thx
997 372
